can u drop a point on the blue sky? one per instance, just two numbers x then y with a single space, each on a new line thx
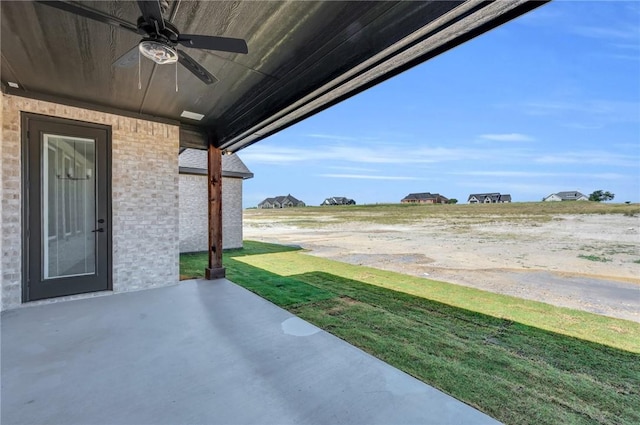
546 103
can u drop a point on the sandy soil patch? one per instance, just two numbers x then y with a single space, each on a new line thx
586 261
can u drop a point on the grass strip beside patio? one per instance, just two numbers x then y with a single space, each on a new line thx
485 349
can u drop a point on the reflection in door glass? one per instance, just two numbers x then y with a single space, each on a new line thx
68 206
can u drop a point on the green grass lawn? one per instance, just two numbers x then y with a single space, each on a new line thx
522 362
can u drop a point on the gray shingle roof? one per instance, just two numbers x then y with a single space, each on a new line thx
289 197
574 194
425 195
484 195
338 200
195 160
494 196
282 199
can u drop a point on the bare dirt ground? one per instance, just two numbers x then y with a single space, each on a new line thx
583 261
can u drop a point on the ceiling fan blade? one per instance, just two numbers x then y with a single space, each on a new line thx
128 59
87 12
210 42
195 68
151 11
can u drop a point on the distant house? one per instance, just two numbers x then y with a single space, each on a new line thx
338 200
193 204
281 202
488 198
567 196
424 198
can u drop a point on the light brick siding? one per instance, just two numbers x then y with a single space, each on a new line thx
11 208
144 197
231 213
193 213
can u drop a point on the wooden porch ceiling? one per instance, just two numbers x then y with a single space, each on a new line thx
303 57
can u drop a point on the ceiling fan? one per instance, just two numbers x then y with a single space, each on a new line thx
160 37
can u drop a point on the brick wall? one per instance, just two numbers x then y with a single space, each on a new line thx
231 213
11 208
144 197
194 213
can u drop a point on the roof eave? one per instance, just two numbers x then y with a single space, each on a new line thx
465 22
202 172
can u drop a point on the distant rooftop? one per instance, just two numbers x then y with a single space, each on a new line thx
195 161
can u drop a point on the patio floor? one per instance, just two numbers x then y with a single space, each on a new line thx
206 352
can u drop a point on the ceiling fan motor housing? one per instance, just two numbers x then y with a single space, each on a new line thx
168 35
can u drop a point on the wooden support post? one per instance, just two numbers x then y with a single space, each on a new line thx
214 167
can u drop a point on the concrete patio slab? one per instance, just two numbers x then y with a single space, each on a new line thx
206 352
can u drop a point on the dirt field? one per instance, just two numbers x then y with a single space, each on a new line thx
585 261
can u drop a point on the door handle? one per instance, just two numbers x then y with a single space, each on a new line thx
98 230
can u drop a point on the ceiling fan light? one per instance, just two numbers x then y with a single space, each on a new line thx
158 52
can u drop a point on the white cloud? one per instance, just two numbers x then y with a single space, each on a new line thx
625 57
357 169
630 32
331 137
606 176
507 137
626 46
581 126
589 158
366 177
275 155
379 154
538 174
628 146
542 16
596 111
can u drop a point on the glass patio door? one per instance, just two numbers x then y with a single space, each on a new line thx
68 225
68 237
